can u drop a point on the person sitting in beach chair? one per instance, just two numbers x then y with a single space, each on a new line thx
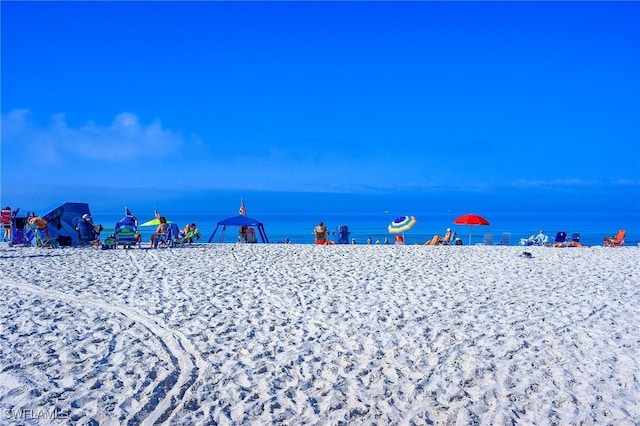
162 236
617 240
88 233
575 240
174 237
40 228
541 239
126 232
447 239
193 234
560 240
433 241
251 236
188 234
40 224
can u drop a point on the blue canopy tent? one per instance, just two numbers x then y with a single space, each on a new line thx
64 218
240 221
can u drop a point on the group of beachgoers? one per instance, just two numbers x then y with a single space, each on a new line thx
159 238
321 234
89 233
165 235
33 222
563 240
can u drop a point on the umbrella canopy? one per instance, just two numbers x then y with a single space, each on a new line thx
153 222
471 220
156 220
401 224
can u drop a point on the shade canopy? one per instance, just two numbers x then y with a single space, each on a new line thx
240 221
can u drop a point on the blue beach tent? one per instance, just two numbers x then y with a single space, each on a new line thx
240 221
64 218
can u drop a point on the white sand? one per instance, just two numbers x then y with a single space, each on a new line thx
303 334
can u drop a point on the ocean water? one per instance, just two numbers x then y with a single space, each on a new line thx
298 228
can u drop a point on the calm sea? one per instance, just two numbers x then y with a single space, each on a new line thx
364 225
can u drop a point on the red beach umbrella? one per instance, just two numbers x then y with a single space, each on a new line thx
471 220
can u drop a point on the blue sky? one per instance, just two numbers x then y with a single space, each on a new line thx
158 102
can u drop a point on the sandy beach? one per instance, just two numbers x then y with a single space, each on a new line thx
301 334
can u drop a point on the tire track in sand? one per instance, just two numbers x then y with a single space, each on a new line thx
167 395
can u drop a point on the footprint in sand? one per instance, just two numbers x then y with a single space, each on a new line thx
186 363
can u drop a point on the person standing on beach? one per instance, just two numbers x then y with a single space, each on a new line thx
242 234
320 232
6 217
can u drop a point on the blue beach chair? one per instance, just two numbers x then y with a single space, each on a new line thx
487 240
41 238
88 233
505 239
20 235
166 239
126 233
342 234
560 240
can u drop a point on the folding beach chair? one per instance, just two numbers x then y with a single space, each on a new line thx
165 239
176 238
126 233
342 234
617 240
575 237
192 235
251 235
575 240
42 240
560 240
20 235
505 239
88 233
487 240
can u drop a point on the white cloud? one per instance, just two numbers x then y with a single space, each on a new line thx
124 140
568 182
